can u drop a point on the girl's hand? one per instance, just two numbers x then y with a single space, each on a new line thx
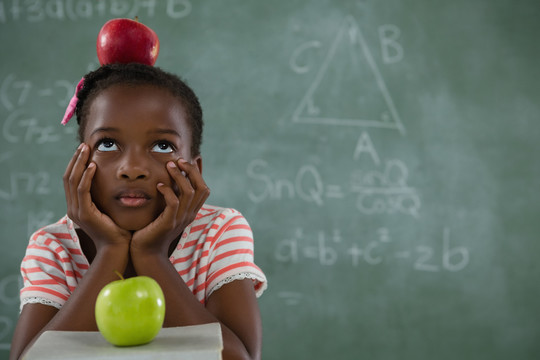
80 207
180 210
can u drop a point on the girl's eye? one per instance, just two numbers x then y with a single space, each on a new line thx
107 145
163 147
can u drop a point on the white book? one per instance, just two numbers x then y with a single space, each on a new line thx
197 342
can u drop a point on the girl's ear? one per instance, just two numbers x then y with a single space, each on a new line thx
198 161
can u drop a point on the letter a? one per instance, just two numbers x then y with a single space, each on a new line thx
364 144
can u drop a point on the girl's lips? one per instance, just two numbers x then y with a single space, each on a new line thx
132 201
133 198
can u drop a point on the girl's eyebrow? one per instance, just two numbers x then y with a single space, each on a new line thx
104 129
157 131
166 131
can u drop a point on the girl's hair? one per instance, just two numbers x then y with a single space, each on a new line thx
139 74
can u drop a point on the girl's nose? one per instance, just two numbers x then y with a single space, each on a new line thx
133 167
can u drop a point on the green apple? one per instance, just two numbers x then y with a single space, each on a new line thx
131 311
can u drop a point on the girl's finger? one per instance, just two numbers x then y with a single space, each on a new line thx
83 190
171 202
202 191
191 172
179 178
203 195
76 174
185 188
71 163
67 174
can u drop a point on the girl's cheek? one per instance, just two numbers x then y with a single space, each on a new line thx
93 156
101 166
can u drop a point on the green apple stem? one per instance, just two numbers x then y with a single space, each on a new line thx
119 275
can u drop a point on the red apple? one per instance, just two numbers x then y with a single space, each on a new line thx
125 41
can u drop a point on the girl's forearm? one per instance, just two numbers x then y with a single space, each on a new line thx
189 310
181 307
77 314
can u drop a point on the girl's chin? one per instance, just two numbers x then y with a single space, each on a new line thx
133 223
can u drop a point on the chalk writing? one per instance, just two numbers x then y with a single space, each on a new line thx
365 145
328 250
21 127
296 63
391 49
350 53
43 10
16 92
377 192
307 184
38 183
386 191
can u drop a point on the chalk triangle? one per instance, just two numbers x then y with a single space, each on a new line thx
348 89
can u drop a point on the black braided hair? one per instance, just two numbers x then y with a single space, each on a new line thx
139 74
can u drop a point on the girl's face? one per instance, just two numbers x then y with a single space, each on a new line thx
133 131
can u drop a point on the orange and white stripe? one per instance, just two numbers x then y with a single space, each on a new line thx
215 249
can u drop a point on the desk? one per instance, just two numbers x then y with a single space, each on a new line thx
198 342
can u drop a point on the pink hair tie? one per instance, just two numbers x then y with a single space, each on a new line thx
72 103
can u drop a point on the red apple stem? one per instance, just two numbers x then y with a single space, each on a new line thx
137 18
119 275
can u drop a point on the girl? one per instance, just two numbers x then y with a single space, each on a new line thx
136 204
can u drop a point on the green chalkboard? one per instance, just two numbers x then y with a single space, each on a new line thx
386 154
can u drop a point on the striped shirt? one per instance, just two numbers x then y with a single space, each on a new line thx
215 249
